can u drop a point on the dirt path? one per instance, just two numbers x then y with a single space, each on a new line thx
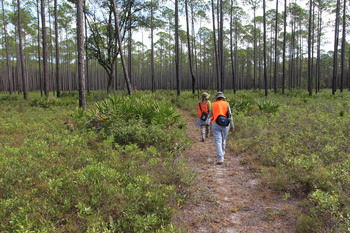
229 197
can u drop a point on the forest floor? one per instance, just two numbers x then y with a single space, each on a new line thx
230 197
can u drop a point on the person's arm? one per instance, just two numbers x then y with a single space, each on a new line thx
209 106
211 111
232 127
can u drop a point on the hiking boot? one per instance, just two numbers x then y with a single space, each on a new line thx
219 162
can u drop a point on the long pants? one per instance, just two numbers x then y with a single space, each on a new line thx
205 129
220 134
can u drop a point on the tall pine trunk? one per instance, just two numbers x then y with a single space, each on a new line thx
215 46
309 86
312 47
194 50
276 52
86 52
189 49
81 72
46 70
221 41
58 81
284 46
132 81
265 65
52 79
335 56
9 70
231 50
318 63
291 58
255 60
126 76
343 49
177 55
39 50
152 49
23 73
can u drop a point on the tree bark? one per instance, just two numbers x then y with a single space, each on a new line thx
51 75
39 50
335 56
24 78
121 48
81 72
291 59
309 86
86 52
318 65
343 49
43 25
194 50
132 81
349 77
215 46
236 53
265 66
248 78
152 49
9 70
58 81
312 46
189 49
177 55
255 67
284 46
276 52
221 41
231 51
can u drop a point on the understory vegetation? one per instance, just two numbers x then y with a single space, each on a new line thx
300 145
116 167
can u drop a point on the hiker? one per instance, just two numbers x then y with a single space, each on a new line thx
203 109
221 124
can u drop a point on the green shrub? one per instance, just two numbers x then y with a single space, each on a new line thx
138 119
46 103
307 224
9 98
268 106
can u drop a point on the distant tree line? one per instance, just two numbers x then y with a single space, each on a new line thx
46 45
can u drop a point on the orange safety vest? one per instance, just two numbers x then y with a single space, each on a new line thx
202 108
220 108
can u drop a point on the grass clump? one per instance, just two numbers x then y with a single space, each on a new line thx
268 106
45 102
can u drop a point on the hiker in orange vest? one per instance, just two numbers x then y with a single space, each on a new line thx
203 109
221 124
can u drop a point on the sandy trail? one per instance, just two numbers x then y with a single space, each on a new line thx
229 197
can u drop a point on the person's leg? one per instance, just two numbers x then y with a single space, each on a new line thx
217 132
207 127
224 135
203 132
